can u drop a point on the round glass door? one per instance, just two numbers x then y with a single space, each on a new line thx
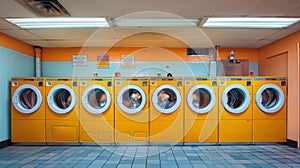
201 98
131 99
27 99
269 98
166 98
61 99
235 98
96 99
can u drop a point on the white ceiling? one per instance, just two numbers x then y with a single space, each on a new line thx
157 37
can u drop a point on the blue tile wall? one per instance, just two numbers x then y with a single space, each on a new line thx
12 63
140 69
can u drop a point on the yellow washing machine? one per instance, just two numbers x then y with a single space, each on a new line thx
166 110
28 109
235 109
62 110
131 110
269 109
96 110
201 109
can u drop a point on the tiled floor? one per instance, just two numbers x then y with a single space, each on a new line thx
265 156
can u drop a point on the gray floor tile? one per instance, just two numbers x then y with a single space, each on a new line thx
281 166
109 166
124 166
264 156
138 165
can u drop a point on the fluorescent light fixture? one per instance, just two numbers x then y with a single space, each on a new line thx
58 22
154 22
249 22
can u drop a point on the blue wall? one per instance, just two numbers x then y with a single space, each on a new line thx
12 63
140 69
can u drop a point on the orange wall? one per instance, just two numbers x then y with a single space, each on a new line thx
239 53
14 44
141 54
289 45
144 54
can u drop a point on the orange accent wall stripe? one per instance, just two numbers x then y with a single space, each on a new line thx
141 54
144 54
16 45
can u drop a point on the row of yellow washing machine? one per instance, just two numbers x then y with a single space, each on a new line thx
148 110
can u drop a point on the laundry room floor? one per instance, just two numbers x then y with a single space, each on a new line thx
265 156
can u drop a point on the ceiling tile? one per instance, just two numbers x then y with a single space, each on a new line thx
80 8
20 34
10 8
41 43
67 34
238 34
138 8
68 43
259 43
275 8
104 33
241 8
101 43
294 12
281 34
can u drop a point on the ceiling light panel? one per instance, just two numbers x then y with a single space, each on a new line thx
59 22
153 22
249 22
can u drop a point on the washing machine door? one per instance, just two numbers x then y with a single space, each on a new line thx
235 98
201 98
269 98
96 99
166 98
61 99
27 99
131 99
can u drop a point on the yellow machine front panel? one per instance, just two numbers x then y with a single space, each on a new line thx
128 131
201 131
235 131
269 130
62 131
166 131
166 127
28 131
96 131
